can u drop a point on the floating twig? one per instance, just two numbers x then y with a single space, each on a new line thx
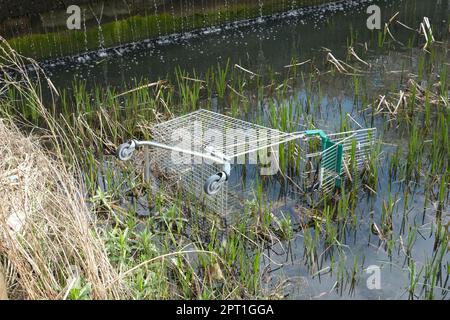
405 26
388 31
351 118
149 85
332 59
237 93
352 52
246 70
425 26
297 64
393 17
193 79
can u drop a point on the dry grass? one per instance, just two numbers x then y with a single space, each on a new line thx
3 290
49 240
49 243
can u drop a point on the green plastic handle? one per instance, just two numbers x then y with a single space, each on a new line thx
316 133
328 143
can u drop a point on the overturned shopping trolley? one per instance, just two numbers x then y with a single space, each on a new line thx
199 150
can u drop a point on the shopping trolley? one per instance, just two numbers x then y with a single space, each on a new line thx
198 151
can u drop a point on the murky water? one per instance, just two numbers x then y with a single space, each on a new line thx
273 43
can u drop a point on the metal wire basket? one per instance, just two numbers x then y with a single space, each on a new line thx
198 151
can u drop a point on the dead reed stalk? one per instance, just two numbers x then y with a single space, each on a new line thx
48 236
3 287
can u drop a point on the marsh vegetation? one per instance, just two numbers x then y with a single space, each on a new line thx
395 214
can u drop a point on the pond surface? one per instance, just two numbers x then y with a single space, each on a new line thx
273 43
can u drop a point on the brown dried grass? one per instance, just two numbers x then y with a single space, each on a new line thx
49 239
49 242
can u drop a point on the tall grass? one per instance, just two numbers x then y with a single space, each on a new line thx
51 245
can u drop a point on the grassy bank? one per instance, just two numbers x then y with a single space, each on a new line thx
139 27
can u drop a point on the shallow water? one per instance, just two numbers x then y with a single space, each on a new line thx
274 43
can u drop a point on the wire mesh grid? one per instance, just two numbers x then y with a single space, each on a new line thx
230 136
203 129
355 149
362 139
308 163
190 177
318 167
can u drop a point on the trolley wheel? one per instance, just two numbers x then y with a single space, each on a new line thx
213 184
125 151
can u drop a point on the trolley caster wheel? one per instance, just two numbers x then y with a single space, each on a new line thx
214 183
125 151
